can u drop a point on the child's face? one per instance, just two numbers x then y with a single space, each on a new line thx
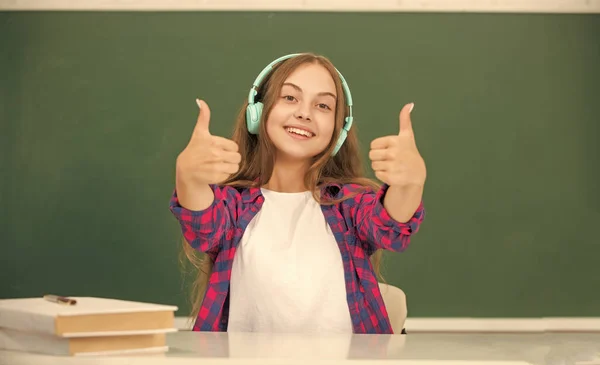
302 119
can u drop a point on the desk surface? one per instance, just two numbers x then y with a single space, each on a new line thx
448 349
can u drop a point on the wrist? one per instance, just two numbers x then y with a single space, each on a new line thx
408 188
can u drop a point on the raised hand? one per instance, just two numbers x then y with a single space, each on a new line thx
395 159
207 159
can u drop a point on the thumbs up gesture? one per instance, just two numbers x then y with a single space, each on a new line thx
207 159
395 159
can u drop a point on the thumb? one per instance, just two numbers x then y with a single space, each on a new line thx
201 129
405 122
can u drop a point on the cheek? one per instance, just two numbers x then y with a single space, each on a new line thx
277 117
328 128
271 120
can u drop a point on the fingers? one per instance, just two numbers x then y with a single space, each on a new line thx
382 142
380 155
229 157
388 166
224 143
380 166
215 154
381 175
226 168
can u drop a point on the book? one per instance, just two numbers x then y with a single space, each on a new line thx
90 317
42 343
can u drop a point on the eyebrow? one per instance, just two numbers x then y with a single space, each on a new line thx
300 90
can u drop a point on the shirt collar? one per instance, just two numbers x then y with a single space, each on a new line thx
331 191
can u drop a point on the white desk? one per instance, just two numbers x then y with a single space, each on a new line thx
421 349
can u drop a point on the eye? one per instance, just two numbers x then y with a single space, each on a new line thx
289 98
324 106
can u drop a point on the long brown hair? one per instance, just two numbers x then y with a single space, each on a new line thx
258 153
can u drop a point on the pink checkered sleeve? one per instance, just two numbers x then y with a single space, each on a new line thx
205 230
376 228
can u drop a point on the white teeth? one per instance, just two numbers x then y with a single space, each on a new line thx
299 131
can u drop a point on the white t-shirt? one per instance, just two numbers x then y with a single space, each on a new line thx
287 274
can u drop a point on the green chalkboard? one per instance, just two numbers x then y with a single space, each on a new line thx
95 107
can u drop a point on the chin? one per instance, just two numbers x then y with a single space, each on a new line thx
296 152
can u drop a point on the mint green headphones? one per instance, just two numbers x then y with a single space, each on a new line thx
254 109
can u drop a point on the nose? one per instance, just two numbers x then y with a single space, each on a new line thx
302 113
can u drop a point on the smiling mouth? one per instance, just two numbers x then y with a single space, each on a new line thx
297 132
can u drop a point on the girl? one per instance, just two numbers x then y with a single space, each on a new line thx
283 212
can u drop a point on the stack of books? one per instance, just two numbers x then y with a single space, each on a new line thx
79 326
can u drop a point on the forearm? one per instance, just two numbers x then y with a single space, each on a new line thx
203 223
193 197
401 203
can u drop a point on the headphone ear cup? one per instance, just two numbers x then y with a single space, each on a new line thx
253 113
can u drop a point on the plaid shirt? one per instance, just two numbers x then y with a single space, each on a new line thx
360 224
